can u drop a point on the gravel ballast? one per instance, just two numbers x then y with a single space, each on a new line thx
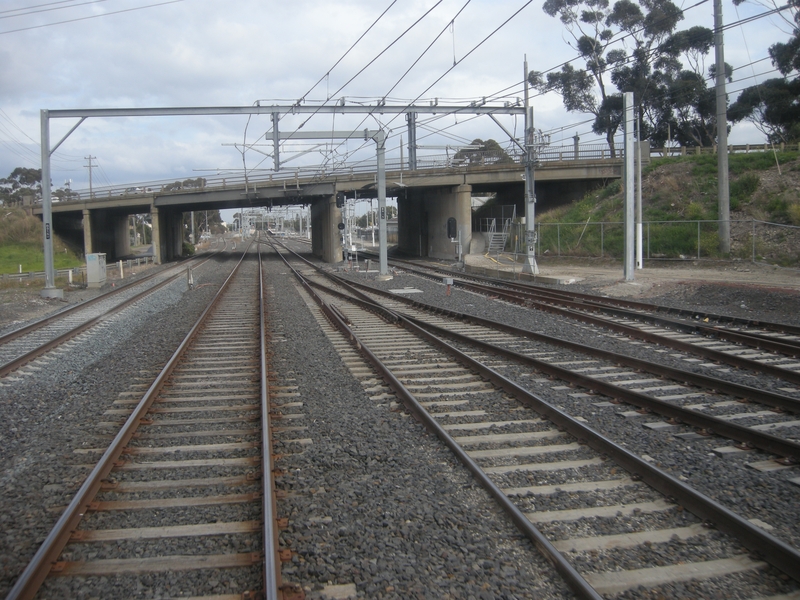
374 501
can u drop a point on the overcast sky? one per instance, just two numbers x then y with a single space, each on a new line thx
155 53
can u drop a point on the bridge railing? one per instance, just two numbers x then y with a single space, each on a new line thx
732 149
304 175
455 160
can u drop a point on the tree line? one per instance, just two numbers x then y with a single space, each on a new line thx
665 69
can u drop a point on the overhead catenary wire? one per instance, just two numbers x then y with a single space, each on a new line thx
33 10
86 18
343 56
376 57
473 49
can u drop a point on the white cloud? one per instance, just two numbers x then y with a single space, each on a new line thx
215 52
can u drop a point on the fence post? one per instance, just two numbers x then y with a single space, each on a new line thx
753 236
558 235
648 239
698 240
602 239
539 240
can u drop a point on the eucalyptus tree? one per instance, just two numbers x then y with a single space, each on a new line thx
632 47
773 106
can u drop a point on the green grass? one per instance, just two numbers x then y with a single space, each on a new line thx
31 257
681 194
21 243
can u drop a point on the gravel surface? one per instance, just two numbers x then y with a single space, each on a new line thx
52 409
770 497
377 502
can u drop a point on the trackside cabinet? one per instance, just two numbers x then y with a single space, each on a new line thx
95 270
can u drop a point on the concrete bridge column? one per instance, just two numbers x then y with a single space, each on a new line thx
412 224
422 220
317 208
104 229
167 235
87 232
155 233
325 235
174 235
122 237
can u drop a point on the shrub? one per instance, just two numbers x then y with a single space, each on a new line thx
695 211
188 249
793 211
613 188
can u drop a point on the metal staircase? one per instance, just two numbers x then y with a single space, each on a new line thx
497 239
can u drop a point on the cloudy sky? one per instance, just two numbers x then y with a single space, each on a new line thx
155 53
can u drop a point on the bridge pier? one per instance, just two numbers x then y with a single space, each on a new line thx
325 235
88 247
167 234
422 216
122 237
107 232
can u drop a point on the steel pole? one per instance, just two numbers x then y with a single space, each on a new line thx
639 258
380 141
628 267
50 290
529 265
723 190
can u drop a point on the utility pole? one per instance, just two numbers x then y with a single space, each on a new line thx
639 250
630 234
90 158
530 265
723 189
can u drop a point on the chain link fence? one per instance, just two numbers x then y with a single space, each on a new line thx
758 241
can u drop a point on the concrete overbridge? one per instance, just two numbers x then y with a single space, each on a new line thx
431 192
426 197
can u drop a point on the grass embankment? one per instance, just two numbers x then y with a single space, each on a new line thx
21 244
685 189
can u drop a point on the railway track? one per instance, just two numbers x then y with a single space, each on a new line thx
23 345
181 502
692 405
772 348
624 515
535 455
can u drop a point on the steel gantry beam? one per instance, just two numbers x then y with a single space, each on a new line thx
275 111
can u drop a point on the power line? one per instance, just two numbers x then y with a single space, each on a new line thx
376 57
456 63
32 10
302 98
108 14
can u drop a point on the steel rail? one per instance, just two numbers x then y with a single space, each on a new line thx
778 553
745 392
12 335
575 581
788 348
634 332
785 449
775 551
32 577
603 302
761 396
68 335
755 439
272 561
